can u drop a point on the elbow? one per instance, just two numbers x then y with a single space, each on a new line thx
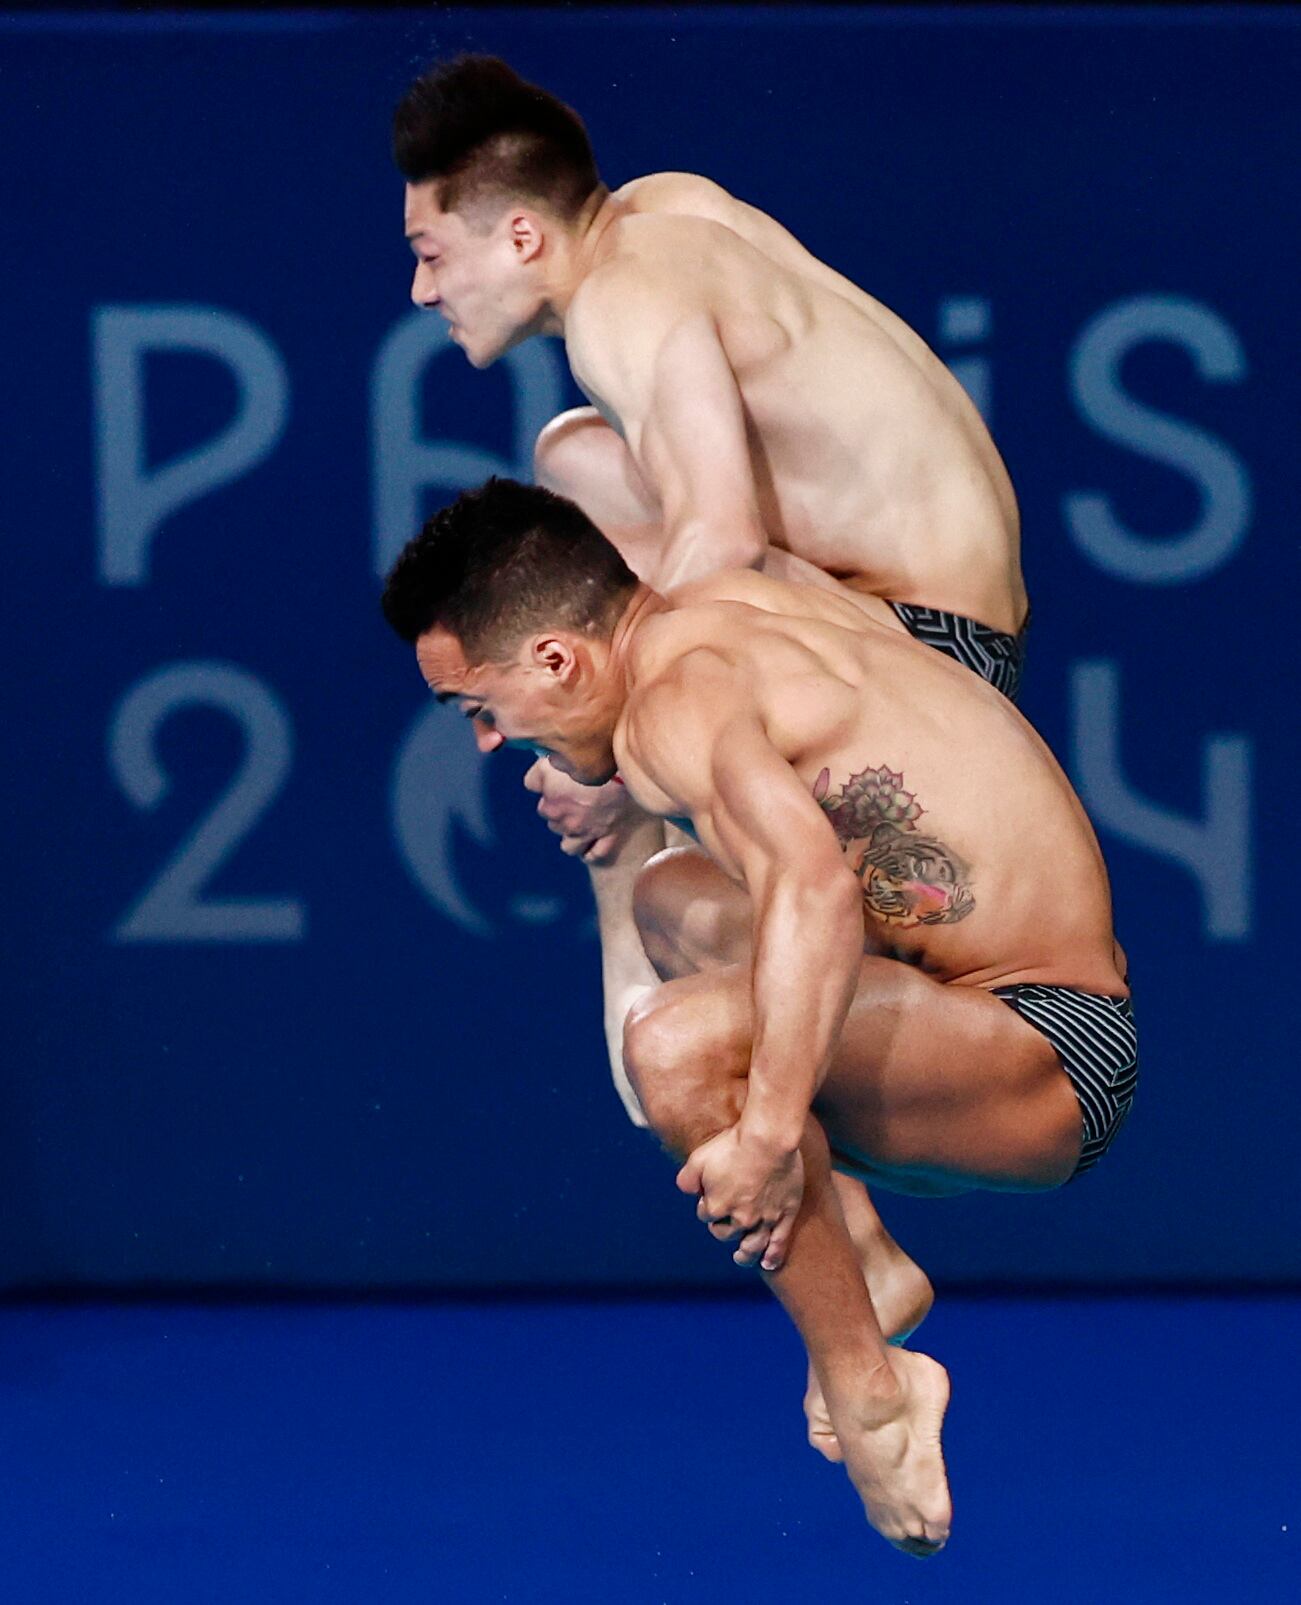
743 543
701 547
749 554
844 912
829 902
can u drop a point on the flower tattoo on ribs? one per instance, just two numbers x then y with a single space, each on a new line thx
908 878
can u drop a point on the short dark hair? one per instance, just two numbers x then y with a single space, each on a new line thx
502 561
477 126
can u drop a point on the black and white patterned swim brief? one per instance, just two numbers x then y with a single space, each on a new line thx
993 654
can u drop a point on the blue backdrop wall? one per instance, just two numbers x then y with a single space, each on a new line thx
298 991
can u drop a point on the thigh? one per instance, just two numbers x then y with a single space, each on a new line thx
945 1085
932 1088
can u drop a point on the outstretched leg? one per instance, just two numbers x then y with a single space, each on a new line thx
688 1068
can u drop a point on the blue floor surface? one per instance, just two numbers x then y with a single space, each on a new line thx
634 1453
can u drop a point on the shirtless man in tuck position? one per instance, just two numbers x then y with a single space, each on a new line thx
896 958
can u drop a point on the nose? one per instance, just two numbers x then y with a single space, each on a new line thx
486 738
423 293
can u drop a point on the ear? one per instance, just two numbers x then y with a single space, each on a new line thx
526 236
556 657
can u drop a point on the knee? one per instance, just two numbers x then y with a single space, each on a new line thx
683 1066
660 901
655 1057
568 448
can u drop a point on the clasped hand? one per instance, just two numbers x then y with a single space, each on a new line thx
591 821
748 1188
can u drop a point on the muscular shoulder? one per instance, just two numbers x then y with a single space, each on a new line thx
637 305
745 586
680 700
650 267
687 194
679 643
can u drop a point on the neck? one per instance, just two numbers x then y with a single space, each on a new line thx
578 250
641 605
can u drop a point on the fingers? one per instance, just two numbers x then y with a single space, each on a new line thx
763 1242
534 776
754 1235
753 1245
778 1244
689 1176
569 824
575 846
721 1226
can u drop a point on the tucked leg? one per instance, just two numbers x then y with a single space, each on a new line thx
933 1087
692 918
937 1088
579 456
688 1066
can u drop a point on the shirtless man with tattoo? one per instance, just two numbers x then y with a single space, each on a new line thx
750 408
897 957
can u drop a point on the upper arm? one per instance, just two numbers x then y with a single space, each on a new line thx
766 820
654 357
700 738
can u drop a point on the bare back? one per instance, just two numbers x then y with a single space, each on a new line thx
976 858
869 459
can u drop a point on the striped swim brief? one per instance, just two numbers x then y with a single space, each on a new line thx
1094 1037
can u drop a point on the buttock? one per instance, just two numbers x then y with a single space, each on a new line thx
1095 1039
995 655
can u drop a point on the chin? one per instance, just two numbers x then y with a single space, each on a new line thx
582 774
481 355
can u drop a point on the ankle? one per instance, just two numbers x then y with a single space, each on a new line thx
870 1390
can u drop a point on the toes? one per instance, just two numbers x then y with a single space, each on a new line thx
921 1548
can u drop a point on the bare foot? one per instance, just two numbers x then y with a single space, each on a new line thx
893 1457
902 1297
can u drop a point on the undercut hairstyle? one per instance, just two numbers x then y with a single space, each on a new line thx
478 128
503 562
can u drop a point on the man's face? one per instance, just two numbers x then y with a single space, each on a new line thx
477 270
551 698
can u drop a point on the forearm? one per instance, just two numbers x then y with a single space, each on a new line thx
807 952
